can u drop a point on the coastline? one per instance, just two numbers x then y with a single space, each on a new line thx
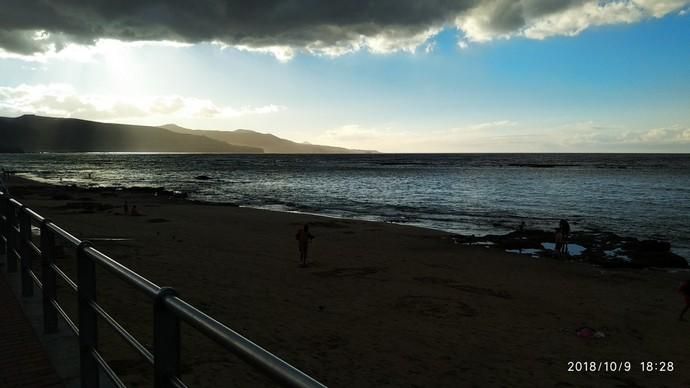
594 246
482 194
381 304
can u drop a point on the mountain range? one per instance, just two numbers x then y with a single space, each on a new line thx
269 143
31 133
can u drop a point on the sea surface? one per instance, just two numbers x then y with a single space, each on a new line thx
635 195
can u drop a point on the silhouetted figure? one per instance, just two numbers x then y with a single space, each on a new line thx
135 212
125 207
558 240
521 228
685 291
2 183
565 230
303 237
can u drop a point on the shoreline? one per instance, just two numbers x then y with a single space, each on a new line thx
613 251
241 180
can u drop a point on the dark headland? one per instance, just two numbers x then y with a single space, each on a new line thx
31 133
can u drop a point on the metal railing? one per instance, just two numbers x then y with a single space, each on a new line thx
169 310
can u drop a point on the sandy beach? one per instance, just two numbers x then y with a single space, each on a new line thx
378 305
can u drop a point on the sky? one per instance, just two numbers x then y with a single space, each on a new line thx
393 76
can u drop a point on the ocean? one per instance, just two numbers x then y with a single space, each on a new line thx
636 195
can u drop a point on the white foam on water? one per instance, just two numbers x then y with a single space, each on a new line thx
576 249
617 254
614 252
527 251
573 249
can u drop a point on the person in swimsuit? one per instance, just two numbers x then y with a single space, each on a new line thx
303 238
685 291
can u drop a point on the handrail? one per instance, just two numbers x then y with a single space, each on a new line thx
64 277
107 369
244 348
35 216
168 308
126 335
63 314
35 279
124 273
64 234
35 250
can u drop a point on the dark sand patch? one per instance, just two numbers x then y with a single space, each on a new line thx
464 287
350 272
157 220
436 307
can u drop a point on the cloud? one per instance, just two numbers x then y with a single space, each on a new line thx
535 19
611 138
30 28
510 136
101 49
63 101
327 27
479 137
498 124
660 136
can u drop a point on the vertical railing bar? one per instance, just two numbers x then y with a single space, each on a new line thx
26 256
166 341
49 277
10 234
88 320
3 221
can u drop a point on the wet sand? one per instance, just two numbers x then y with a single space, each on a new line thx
378 305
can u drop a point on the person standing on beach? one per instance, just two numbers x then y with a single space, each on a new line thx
303 238
685 291
558 240
564 226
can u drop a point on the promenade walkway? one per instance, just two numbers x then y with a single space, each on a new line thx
23 361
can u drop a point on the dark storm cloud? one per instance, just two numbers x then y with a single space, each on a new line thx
254 24
260 23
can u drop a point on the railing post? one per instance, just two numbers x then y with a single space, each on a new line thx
3 221
48 277
166 340
11 237
25 252
88 320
